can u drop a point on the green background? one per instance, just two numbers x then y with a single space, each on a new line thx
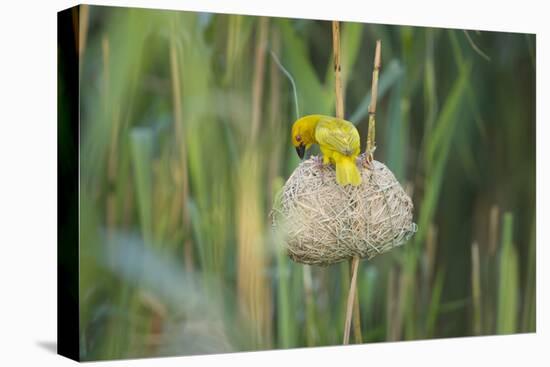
185 122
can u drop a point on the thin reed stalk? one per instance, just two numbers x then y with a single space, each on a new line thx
508 282
493 229
337 70
253 286
371 142
369 150
338 89
351 298
110 214
430 252
258 80
112 170
181 160
106 56
285 327
274 111
428 270
491 270
476 289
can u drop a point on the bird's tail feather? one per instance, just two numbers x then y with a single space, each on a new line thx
347 172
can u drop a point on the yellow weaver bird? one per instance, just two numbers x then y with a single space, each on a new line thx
339 142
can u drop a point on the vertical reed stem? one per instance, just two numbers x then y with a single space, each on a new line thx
180 137
493 229
371 142
353 301
274 111
258 80
476 288
369 150
490 264
337 70
351 297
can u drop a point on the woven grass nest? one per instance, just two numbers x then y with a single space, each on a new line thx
324 223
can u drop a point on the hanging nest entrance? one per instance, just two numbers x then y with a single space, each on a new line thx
324 223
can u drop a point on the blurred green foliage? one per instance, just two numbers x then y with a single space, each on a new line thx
177 252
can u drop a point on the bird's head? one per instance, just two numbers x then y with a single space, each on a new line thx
303 133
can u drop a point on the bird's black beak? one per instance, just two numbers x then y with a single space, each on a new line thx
301 149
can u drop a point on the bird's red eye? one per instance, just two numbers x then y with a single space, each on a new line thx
298 138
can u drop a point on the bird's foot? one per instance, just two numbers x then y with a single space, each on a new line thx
369 158
367 162
323 173
321 165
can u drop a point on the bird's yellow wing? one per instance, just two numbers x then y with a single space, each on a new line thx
338 135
